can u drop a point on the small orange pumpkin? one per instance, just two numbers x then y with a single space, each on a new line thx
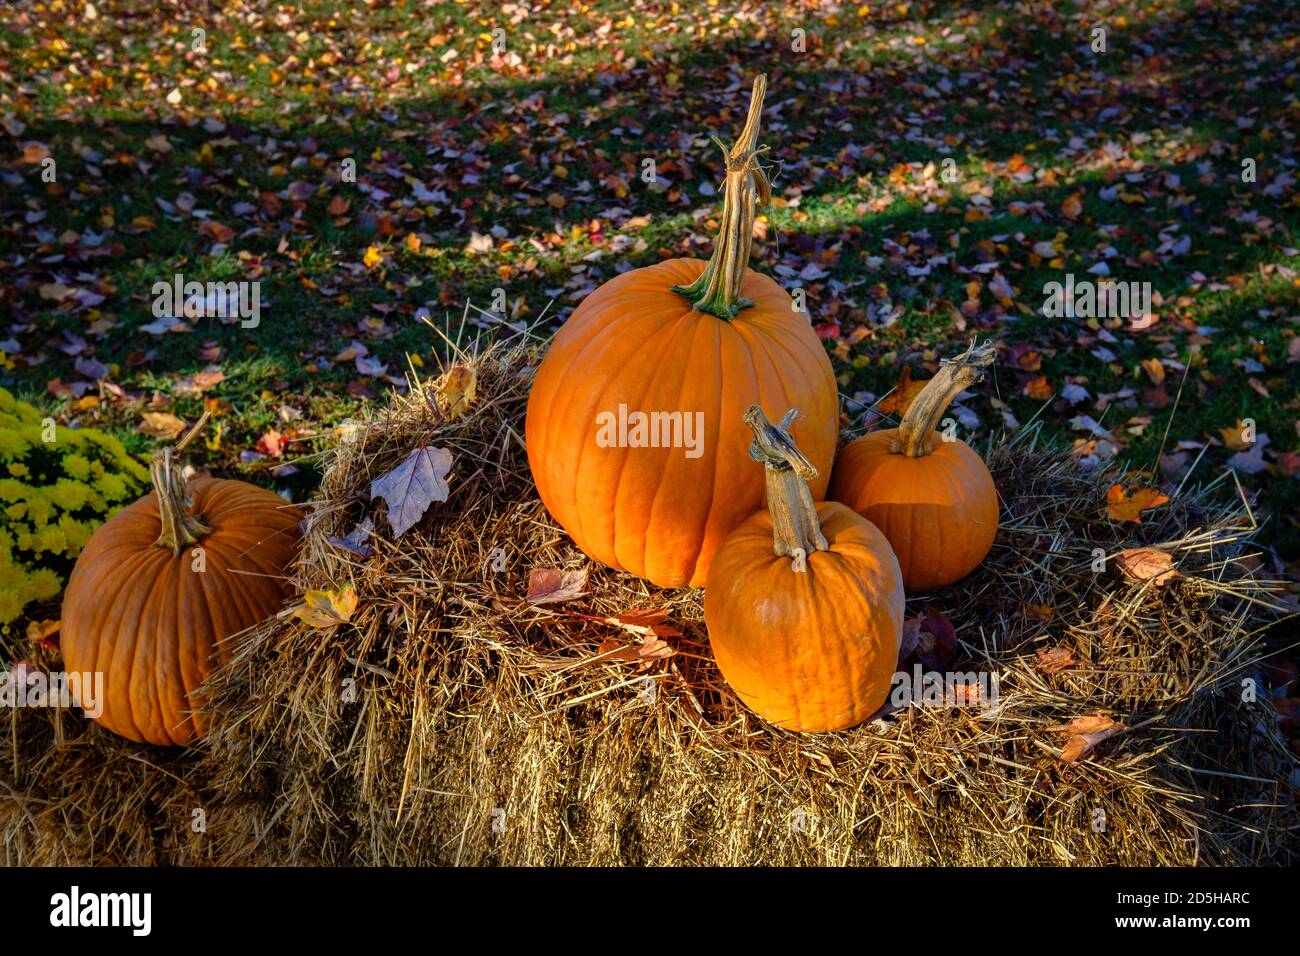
686 344
804 602
934 499
159 587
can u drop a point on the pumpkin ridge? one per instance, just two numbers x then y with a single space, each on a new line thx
178 724
232 598
764 331
261 572
113 612
672 317
228 597
677 327
593 331
105 608
173 656
716 465
664 485
142 649
748 353
959 478
225 499
254 544
811 371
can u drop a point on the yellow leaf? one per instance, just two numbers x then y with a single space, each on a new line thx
897 401
327 608
1234 436
412 242
372 257
456 390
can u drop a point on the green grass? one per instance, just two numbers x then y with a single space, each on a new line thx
1017 85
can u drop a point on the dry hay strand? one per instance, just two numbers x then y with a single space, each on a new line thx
450 721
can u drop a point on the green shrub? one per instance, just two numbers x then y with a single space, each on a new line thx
53 495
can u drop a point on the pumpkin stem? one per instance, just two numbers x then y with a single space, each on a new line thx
916 432
717 290
180 527
796 532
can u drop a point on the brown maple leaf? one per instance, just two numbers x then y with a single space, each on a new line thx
1052 660
551 585
1146 564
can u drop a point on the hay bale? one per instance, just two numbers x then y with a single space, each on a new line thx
452 722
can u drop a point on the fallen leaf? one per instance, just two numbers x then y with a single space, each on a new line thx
413 485
326 608
1122 506
552 585
161 425
271 444
44 633
216 231
615 650
1235 436
456 390
646 622
372 257
1146 564
897 401
1040 612
930 638
652 648
355 540
1052 660
1085 734
1251 462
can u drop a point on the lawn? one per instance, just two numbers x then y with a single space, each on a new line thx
398 176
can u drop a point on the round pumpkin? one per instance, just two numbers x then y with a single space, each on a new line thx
159 587
633 427
931 494
804 603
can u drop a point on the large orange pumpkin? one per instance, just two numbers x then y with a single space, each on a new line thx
931 494
633 428
159 587
804 602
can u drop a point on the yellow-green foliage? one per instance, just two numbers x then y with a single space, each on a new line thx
53 494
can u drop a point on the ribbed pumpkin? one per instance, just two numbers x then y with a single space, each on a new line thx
139 609
699 340
804 602
932 496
